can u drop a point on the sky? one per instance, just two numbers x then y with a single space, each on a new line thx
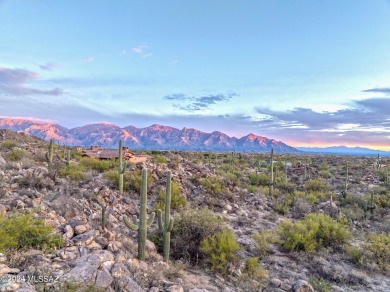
306 72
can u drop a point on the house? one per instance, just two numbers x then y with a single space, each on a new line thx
113 154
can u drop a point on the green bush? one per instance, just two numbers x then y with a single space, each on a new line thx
263 240
259 179
21 232
131 180
15 155
160 159
315 185
178 201
313 232
320 285
255 269
312 197
73 171
377 250
283 205
213 185
7 144
96 164
190 228
220 250
286 187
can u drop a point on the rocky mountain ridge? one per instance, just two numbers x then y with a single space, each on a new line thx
154 137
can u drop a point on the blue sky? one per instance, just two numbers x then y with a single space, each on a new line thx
304 72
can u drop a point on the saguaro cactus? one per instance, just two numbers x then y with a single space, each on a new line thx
271 178
371 207
121 168
142 226
166 228
49 155
68 157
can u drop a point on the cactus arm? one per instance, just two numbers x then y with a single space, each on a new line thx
151 219
129 224
170 225
159 220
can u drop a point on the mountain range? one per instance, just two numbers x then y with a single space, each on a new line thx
344 150
154 137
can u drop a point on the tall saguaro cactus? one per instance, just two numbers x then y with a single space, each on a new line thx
121 168
271 178
143 225
49 156
68 157
167 226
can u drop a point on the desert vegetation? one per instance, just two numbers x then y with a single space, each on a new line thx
187 220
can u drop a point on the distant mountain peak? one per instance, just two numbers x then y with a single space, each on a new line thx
154 137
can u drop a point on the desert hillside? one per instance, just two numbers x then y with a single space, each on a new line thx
241 222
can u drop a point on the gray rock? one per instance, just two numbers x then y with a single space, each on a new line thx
103 278
85 238
198 290
175 288
302 286
127 284
275 282
4 269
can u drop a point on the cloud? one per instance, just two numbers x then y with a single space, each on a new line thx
385 90
12 82
371 112
193 104
142 51
48 66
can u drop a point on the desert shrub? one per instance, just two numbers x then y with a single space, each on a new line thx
213 185
315 185
230 179
313 232
323 166
263 240
7 144
96 164
255 269
286 187
190 228
320 284
325 174
312 197
254 277
160 159
20 232
259 179
73 171
178 201
283 204
133 180
220 249
15 154
377 250
253 189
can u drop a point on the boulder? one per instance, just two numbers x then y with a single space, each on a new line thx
302 286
